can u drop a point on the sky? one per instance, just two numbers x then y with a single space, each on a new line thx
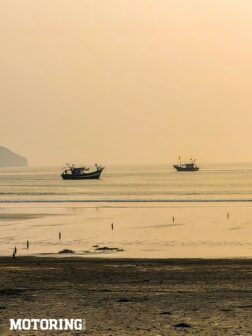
126 81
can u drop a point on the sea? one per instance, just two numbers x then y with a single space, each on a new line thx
156 212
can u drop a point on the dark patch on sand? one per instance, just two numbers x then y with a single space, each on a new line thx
10 291
235 228
66 251
105 248
182 325
123 300
132 299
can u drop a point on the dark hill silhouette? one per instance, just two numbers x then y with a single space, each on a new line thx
11 159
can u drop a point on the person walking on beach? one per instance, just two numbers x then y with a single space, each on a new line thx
173 219
15 250
60 236
27 244
112 226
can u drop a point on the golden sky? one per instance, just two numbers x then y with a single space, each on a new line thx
126 81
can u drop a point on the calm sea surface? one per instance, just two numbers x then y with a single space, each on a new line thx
129 183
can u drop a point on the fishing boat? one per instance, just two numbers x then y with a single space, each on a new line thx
81 172
188 167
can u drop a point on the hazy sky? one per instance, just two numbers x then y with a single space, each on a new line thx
126 81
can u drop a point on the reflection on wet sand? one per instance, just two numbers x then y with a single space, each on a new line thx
145 232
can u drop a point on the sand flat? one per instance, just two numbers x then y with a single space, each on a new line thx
197 231
130 296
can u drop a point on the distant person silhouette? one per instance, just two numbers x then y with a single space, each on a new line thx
60 236
14 252
112 226
27 244
173 219
228 215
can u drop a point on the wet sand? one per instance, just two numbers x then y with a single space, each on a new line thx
9 217
130 296
153 231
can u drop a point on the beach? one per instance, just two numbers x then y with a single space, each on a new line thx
160 269
129 296
149 252
153 230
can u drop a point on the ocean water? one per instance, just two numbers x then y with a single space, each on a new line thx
156 212
129 184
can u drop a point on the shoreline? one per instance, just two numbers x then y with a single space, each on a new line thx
124 201
114 257
124 259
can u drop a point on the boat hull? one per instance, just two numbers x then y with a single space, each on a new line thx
184 169
87 176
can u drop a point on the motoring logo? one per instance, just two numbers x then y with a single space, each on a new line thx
47 324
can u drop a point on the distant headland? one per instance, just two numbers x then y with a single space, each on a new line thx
11 159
